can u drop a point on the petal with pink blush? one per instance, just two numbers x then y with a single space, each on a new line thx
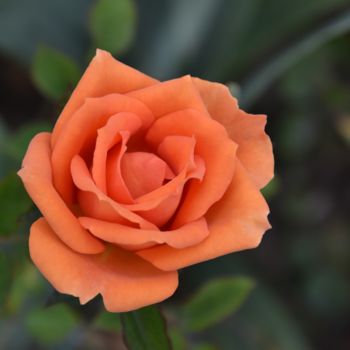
125 281
237 222
37 179
186 236
215 148
104 75
107 137
81 132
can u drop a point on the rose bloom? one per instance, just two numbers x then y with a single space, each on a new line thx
140 178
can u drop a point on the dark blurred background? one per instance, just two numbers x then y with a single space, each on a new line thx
287 59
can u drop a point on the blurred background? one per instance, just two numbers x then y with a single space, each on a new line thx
287 59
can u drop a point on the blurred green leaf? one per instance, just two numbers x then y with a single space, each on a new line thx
107 321
53 72
28 285
271 188
5 277
145 329
112 24
204 347
178 341
52 324
216 300
14 202
16 145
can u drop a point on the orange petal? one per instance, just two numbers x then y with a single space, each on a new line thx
247 130
37 179
104 76
84 182
171 96
186 236
125 281
82 131
160 205
236 222
142 172
213 146
107 137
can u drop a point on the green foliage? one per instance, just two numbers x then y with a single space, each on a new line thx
15 145
107 321
112 24
14 202
214 301
54 73
145 329
51 324
5 278
178 341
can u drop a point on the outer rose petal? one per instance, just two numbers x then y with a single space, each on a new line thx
247 130
236 222
171 96
104 76
125 281
37 179
185 236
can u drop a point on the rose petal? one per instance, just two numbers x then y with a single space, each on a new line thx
116 186
247 130
160 205
170 96
82 131
37 179
142 172
107 137
186 236
125 281
237 222
84 182
104 76
213 146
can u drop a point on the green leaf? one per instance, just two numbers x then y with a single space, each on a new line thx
16 144
112 24
271 188
5 278
54 73
52 324
107 321
14 202
178 341
145 329
215 301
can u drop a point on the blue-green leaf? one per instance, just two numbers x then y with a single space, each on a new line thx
112 24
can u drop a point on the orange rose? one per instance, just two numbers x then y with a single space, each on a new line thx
140 178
